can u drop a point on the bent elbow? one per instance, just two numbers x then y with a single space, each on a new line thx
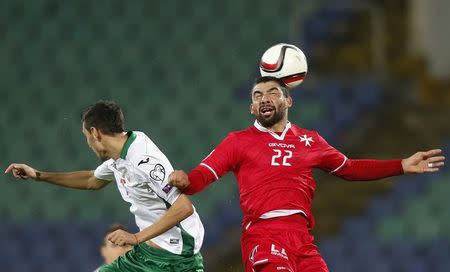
93 188
346 178
189 210
186 211
349 179
184 206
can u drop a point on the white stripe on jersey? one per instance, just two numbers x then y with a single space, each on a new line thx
343 163
210 169
260 261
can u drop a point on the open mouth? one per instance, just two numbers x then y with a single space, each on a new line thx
266 111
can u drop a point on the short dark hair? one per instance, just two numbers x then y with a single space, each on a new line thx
280 82
106 116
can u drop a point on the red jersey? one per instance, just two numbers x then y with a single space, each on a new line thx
274 171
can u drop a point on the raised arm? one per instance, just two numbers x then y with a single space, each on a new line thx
78 180
180 210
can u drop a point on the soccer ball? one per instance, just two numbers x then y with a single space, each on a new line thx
286 62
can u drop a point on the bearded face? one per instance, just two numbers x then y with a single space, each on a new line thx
269 104
268 115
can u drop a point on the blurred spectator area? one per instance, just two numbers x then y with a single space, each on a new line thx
182 71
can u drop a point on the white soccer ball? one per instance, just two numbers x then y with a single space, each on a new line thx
286 62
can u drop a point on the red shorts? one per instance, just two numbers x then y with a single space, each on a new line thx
280 244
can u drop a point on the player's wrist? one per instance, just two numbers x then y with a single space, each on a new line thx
404 166
136 239
38 175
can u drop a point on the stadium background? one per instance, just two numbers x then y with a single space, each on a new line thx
378 86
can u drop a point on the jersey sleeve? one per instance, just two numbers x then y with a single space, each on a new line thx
366 170
155 171
223 158
103 172
331 159
336 163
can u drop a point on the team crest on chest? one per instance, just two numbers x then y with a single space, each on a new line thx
307 140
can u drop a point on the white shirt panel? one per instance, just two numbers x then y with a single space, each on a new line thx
142 180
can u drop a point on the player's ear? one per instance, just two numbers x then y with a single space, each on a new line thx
251 109
289 101
95 133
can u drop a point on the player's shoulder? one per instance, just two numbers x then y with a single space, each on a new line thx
139 135
141 138
301 130
241 134
106 164
307 133
140 146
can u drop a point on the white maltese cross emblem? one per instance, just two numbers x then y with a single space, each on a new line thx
306 139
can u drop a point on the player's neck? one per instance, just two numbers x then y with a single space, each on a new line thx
279 127
116 144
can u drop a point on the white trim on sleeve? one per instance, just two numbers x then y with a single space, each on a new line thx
260 262
340 166
210 169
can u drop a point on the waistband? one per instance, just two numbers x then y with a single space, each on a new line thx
290 222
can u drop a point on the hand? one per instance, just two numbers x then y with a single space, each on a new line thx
122 238
423 162
21 171
179 179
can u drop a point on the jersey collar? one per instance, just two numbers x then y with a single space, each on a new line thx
131 137
275 135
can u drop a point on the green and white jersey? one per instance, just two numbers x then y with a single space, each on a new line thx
141 174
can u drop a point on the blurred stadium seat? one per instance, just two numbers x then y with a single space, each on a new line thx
182 72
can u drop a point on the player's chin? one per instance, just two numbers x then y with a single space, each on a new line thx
266 121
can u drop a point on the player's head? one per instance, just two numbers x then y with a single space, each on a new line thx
270 101
110 251
102 119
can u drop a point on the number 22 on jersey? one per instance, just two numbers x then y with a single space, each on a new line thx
281 157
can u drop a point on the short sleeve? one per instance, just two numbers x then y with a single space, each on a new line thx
331 159
103 172
155 172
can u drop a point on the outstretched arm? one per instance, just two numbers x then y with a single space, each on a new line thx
421 162
180 210
77 180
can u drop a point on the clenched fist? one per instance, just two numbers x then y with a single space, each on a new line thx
179 179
